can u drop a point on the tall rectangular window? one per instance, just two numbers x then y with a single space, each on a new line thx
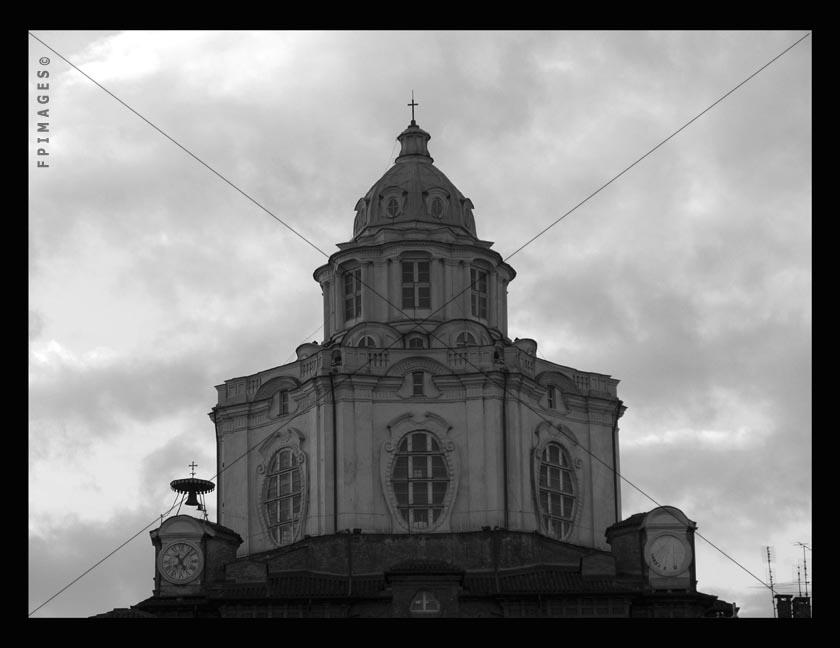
352 294
478 284
416 286
417 383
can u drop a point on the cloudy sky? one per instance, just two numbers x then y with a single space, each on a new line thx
151 280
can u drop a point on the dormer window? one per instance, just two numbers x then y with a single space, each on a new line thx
416 343
552 397
416 286
367 341
425 603
284 402
352 294
393 207
478 287
465 339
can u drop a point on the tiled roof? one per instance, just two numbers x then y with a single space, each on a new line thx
124 613
303 584
543 579
424 567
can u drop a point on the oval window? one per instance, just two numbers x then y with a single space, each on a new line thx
393 208
420 479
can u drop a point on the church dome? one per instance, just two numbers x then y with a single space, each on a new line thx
412 191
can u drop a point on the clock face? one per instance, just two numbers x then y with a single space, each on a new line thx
667 555
180 562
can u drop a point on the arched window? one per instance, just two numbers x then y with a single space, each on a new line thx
425 603
420 480
367 341
283 496
352 294
415 343
556 491
465 339
393 208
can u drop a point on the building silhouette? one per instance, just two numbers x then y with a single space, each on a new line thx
418 462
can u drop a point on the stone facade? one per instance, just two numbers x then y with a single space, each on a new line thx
416 292
418 462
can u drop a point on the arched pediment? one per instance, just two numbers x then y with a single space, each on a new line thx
447 333
384 335
275 385
418 363
558 379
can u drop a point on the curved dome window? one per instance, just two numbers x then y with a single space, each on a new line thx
556 491
283 496
465 339
393 208
420 480
437 208
367 341
415 343
478 286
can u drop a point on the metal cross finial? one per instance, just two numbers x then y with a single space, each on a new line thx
412 104
193 465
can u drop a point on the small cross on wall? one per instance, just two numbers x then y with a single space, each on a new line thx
193 465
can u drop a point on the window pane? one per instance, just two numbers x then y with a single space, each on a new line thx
285 510
408 272
272 513
424 297
543 475
438 492
296 500
415 343
418 442
348 309
401 468
348 284
544 501
435 446
408 297
436 514
420 467
285 459
568 502
271 489
285 483
567 482
401 492
421 518
423 271
554 454
555 502
553 477
404 513
482 307
295 480
438 467
420 492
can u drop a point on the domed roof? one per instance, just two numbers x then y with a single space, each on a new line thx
413 190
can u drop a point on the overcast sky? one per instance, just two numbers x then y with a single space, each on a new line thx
151 280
